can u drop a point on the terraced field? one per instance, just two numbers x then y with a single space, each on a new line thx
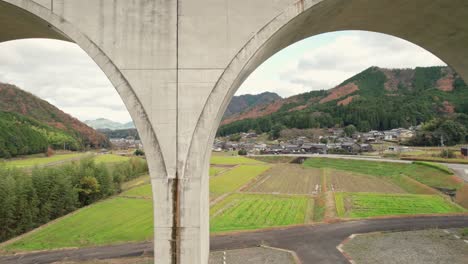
343 181
359 205
423 174
288 179
254 211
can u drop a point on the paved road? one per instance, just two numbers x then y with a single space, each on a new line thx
460 170
313 244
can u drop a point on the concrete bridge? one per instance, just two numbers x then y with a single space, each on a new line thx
177 63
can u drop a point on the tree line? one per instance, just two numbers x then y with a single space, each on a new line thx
28 200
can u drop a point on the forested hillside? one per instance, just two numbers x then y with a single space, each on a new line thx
245 102
29 125
373 99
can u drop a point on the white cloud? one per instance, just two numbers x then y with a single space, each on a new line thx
326 66
63 74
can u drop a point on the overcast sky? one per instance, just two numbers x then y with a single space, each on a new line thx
61 73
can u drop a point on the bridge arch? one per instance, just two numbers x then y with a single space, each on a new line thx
27 19
434 26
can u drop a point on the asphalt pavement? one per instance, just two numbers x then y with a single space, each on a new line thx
312 243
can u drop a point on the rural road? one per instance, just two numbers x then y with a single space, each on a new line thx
313 244
461 170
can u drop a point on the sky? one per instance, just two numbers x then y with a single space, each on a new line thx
64 75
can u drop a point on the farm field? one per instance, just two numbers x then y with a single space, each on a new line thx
421 173
216 170
235 178
288 179
361 205
39 161
343 181
115 220
231 160
110 158
254 211
275 195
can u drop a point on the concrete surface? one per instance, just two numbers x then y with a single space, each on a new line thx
312 244
177 64
415 247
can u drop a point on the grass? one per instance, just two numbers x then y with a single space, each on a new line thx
110 158
39 161
361 205
144 191
421 173
112 221
440 167
145 179
232 160
215 170
235 179
464 232
254 211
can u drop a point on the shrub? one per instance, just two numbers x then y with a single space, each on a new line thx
242 152
447 153
139 152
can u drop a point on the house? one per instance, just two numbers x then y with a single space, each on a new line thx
464 151
318 148
333 146
292 149
260 147
351 147
366 147
406 134
390 135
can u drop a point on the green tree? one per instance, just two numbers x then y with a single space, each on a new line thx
88 190
350 130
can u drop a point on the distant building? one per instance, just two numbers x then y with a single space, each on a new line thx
464 151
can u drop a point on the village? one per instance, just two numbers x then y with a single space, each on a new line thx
333 141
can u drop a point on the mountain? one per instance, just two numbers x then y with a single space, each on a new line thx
376 98
24 109
245 102
102 123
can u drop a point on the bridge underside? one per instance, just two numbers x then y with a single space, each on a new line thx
177 64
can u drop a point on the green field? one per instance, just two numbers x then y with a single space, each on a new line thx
39 161
112 221
110 158
232 160
360 205
421 173
145 179
144 191
216 170
253 211
235 178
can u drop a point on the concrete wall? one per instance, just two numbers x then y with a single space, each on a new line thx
177 64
